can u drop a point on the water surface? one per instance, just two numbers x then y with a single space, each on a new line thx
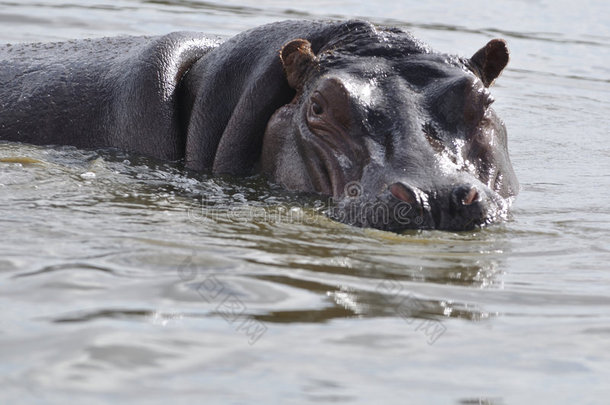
129 280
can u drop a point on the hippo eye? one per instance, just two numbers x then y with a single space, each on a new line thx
316 108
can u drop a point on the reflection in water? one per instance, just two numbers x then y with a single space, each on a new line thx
273 238
347 267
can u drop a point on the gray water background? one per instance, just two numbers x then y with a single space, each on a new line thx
118 284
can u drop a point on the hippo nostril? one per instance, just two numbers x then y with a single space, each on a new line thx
471 197
403 193
465 195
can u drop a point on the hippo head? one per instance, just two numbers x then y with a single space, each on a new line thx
399 136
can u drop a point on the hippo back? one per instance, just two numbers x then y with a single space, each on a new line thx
109 92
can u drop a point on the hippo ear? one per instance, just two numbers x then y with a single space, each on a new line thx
490 60
297 57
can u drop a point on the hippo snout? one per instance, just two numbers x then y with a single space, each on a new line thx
456 208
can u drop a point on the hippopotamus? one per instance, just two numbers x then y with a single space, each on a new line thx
398 136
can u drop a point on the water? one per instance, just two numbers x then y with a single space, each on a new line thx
119 283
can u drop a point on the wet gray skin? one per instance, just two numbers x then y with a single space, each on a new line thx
400 137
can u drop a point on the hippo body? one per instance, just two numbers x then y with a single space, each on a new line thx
109 92
399 136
